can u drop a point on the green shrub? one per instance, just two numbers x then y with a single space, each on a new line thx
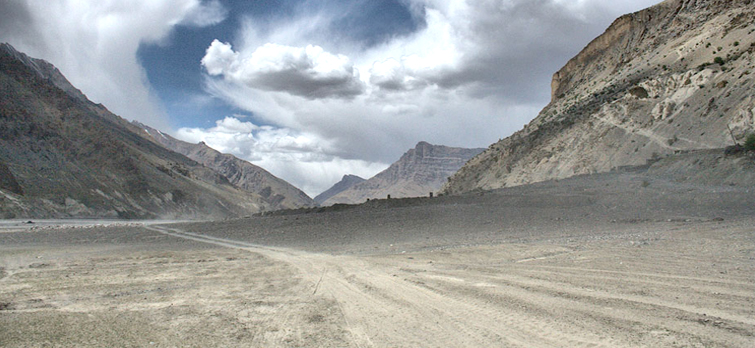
750 142
719 61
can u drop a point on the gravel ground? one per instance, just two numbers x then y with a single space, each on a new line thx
610 260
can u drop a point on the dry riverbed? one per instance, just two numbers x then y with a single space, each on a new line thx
579 270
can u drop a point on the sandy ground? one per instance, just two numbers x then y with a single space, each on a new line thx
616 260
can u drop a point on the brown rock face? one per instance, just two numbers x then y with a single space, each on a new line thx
674 77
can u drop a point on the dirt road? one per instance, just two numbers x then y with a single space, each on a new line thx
570 266
620 294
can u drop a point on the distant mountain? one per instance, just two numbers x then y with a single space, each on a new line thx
346 182
674 77
278 193
421 170
63 156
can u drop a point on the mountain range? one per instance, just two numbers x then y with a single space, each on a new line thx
419 172
276 192
664 81
63 156
675 77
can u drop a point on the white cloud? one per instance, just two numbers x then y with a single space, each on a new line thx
94 43
210 13
301 158
308 72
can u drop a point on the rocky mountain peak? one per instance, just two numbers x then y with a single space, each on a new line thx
44 70
419 171
648 28
348 177
346 182
278 193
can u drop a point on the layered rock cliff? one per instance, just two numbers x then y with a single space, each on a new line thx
677 76
277 193
418 172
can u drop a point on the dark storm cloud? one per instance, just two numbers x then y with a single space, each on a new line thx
514 47
15 23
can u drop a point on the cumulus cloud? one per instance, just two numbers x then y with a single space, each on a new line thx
308 72
301 158
393 75
94 43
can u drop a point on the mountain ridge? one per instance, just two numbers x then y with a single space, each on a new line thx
278 193
346 182
63 156
420 171
673 77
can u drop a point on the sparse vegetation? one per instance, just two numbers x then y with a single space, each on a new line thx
750 142
672 141
639 92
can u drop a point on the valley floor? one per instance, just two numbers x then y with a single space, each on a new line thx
616 260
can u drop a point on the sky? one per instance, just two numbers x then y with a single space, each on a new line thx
313 90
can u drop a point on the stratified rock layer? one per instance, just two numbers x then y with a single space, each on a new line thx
419 172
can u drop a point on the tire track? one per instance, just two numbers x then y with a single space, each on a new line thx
384 302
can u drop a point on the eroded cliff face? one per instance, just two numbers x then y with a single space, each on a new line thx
677 76
421 170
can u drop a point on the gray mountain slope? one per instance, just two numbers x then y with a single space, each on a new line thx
63 156
346 182
278 193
